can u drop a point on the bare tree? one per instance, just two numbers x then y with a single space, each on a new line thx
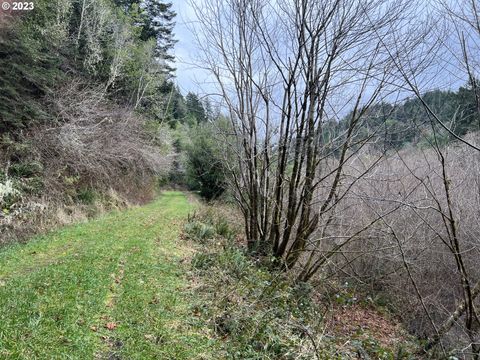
286 70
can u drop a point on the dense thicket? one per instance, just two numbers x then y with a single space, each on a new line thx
123 47
85 86
204 162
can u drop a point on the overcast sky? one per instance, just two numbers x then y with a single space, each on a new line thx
189 78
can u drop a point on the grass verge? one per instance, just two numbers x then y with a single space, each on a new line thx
111 288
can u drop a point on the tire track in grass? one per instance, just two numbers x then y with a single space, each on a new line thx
108 326
48 307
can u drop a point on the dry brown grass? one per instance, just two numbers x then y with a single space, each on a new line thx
356 320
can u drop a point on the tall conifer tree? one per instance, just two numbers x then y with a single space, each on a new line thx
157 20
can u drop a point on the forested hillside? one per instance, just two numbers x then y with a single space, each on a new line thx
88 104
395 125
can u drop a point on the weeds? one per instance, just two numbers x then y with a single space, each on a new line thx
198 231
259 313
9 194
86 196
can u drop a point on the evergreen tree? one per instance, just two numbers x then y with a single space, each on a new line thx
156 21
159 25
204 169
209 112
173 109
178 105
126 5
195 108
469 108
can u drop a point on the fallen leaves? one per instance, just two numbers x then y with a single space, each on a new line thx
352 320
111 326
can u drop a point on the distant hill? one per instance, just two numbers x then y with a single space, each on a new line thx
394 125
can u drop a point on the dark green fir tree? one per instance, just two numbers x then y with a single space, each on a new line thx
159 23
156 19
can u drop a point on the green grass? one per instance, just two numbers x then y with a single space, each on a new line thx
59 291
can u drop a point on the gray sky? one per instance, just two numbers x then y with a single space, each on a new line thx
189 78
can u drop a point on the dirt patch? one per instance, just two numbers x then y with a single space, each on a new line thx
361 322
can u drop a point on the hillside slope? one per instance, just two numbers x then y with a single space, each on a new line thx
110 288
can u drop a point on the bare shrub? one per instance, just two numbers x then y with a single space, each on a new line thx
96 139
409 251
95 147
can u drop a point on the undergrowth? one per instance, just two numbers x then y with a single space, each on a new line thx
259 313
256 312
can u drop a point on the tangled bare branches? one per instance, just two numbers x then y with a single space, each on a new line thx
96 139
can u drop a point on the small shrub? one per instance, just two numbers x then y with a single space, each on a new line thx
198 231
86 196
222 228
71 180
9 195
208 224
33 185
235 262
26 169
204 163
162 181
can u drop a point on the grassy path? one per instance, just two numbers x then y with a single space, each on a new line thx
112 288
